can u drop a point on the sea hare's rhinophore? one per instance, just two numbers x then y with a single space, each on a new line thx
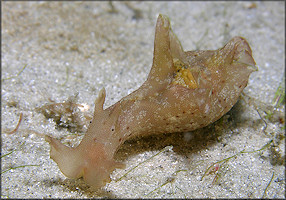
183 92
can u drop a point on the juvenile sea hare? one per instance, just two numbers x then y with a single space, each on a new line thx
184 91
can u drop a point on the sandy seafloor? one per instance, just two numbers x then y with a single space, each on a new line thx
72 48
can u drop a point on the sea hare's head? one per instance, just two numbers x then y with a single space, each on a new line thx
90 162
97 166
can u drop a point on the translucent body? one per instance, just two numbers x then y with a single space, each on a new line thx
183 92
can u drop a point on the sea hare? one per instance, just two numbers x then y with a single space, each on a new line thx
184 91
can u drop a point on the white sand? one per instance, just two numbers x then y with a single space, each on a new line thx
72 48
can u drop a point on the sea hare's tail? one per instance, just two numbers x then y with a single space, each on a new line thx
243 53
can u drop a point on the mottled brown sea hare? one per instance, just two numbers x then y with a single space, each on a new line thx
183 92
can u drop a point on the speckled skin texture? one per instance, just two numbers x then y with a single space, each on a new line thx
183 92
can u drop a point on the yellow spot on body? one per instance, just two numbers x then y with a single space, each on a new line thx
183 75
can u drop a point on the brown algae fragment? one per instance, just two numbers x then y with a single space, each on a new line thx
66 115
17 126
